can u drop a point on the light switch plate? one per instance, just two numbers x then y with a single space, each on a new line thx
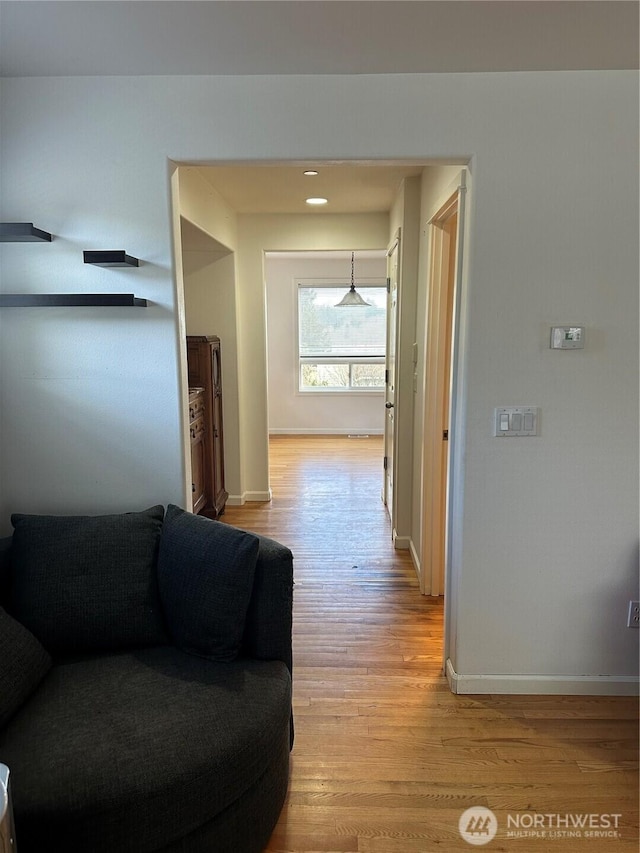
517 421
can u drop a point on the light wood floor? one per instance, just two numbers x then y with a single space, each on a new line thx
386 759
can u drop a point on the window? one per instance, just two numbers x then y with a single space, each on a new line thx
341 349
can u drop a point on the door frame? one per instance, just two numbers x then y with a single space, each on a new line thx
441 386
390 438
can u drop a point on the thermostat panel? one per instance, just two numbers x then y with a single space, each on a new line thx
567 337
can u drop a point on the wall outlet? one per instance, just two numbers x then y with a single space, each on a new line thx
633 618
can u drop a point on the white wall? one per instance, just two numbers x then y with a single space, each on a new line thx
210 307
208 236
91 403
202 204
322 412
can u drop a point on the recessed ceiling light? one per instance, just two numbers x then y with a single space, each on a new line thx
310 172
317 201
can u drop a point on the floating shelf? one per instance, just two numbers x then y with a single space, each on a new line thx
112 258
32 300
22 232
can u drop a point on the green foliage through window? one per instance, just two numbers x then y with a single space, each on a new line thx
341 348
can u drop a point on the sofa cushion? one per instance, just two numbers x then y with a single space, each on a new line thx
88 583
5 570
205 575
23 664
129 752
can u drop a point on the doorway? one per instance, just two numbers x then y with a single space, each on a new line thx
252 234
445 271
390 379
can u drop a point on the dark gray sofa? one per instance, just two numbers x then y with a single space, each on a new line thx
145 683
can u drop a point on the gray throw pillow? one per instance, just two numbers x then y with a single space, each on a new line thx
88 583
205 575
23 665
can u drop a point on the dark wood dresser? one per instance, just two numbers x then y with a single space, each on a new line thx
205 424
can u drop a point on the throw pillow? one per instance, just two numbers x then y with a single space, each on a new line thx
88 583
23 665
205 575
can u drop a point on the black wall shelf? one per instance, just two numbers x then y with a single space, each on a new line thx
32 300
22 232
111 258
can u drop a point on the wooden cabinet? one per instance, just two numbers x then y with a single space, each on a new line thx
207 453
197 430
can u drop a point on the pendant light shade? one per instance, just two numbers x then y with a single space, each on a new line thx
352 297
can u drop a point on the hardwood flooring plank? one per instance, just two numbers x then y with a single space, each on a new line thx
386 758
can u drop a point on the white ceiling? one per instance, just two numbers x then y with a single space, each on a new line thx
118 37
348 187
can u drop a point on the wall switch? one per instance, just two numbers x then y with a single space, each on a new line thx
633 616
516 421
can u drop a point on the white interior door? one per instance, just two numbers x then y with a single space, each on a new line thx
446 255
390 378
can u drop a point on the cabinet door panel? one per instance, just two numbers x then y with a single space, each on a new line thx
197 473
220 496
205 370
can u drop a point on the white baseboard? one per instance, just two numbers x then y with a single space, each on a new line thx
248 497
401 543
300 431
567 685
414 558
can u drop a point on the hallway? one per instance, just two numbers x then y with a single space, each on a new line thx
386 759
326 507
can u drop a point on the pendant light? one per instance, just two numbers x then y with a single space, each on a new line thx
352 297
